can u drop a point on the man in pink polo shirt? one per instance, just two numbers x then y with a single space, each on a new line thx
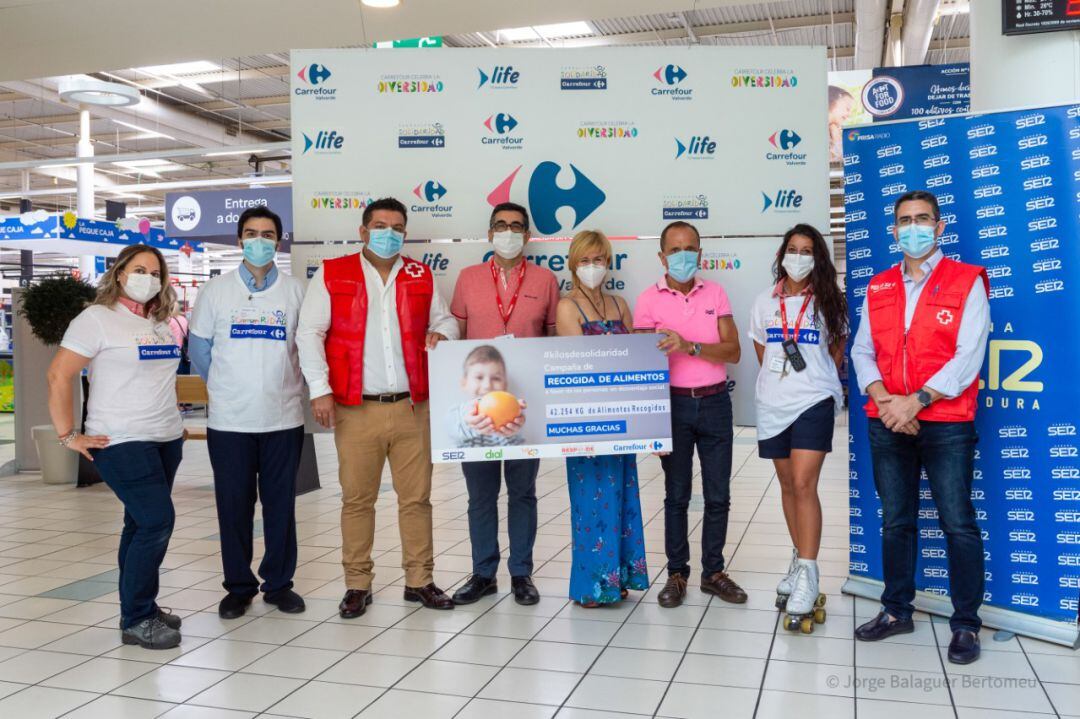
694 315
506 295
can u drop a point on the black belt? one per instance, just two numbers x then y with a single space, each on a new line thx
385 398
697 392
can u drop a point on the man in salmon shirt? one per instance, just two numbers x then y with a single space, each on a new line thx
507 295
917 354
694 315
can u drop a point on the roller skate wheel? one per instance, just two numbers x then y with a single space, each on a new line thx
806 625
819 615
820 601
790 623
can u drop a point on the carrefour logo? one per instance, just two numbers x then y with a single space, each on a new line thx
671 77
502 124
501 77
670 74
584 78
786 140
325 142
315 75
424 135
546 197
431 191
698 147
689 207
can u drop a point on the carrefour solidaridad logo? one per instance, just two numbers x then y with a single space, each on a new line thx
671 76
315 75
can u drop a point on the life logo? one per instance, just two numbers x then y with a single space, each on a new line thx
546 197
501 77
672 78
698 147
786 141
325 142
431 192
186 213
781 201
315 76
502 125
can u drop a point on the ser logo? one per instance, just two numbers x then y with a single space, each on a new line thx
453 455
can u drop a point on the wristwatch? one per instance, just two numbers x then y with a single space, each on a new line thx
924 398
695 349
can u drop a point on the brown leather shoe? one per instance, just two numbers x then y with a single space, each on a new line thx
724 587
354 604
673 593
430 596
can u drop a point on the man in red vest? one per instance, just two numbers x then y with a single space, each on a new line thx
917 353
366 324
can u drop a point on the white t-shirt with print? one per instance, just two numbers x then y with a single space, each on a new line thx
132 373
781 398
255 383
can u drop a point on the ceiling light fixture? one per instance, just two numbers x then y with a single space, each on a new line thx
146 134
554 31
197 67
83 90
381 3
231 152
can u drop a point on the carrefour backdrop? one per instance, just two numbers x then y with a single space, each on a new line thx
1009 188
624 139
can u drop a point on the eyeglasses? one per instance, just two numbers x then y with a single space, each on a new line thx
501 226
921 219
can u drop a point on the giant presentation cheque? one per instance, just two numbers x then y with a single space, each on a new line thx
510 398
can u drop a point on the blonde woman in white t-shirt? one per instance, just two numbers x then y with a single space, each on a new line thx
133 428
799 326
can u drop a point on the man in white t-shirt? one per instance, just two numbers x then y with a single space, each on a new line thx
243 343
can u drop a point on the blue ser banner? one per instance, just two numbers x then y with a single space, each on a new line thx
1009 188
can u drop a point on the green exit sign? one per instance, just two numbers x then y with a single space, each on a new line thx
435 41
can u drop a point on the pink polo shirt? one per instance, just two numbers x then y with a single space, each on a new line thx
475 301
694 316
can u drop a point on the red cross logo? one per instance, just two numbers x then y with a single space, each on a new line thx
414 269
945 317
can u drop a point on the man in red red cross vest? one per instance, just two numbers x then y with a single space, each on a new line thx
917 354
365 327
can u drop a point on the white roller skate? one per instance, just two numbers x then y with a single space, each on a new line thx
806 605
783 589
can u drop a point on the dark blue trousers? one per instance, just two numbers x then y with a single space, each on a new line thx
704 423
249 466
141 475
484 480
947 451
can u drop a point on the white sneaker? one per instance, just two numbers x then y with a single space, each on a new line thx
805 588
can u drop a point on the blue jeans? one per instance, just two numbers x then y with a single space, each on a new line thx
704 423
141 475
250 465
484 480
947 451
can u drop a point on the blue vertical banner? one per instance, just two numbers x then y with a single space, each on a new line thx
1009 188
918 91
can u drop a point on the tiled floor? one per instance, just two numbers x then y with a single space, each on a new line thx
60 651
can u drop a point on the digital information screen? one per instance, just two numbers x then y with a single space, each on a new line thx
1022 17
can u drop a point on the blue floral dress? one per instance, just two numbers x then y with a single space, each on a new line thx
605 511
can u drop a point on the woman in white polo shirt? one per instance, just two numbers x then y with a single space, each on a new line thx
799 327
133 428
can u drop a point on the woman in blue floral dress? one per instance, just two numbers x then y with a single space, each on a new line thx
605 507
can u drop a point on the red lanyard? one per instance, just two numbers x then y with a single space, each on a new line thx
505 315
798 320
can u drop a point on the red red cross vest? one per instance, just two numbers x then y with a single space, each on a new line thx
414 288
908 360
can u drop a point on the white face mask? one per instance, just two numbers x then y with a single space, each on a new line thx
142 288
798 266
508 244
592 276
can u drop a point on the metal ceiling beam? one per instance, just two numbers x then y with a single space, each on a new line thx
154 155
274 72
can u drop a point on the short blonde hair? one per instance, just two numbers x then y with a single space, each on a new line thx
586 242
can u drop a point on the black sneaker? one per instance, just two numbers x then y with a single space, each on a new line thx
475 588
151 633
286 600
233 606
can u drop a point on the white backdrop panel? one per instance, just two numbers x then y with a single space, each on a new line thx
732 138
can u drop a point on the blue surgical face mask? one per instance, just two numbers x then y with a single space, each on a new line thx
259 251
915 240
385 242
682 265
